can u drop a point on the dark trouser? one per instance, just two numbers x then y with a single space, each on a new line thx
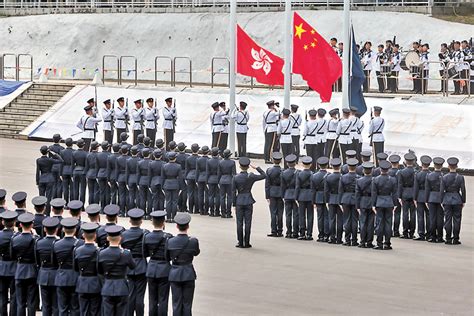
397 216
89 304
276 215
169 136
183 198
103 192
132 195
464 75
151 133
87 144
409 218
79 184
443 81
223 142
25 293
296 146
306 218
45 189
311 151
68 303
344 148
355 146
7 294
120 131
137 287
424 81
335 222
242 144
384 225
49 301
93 190
183 293
243 214
452 221
320 147
292 217
366 222
270 145
332 148
158 197
57 186
192 196
378 147
225 193
367 80
109 136
350 218
122 197
203 199
423 217
380 81
67 188
171 198
286 149
393 82
136 132
215 139
158 295
323 220
113 192
144 199
114 305
213 199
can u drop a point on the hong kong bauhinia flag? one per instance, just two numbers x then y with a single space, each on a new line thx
257 62
314 59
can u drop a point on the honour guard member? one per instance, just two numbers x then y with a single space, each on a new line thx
67 169
181 250
331 192
284 133
212 182
158 268
343 133
332 145
356 131
23 252
243 200
121 117
57 190
103 175
111 162
397 213
270 125
78 176
181 158
152 115
225 131
296 120
170 117
89 283
288 192
8 263
132 177
156 181
39 203
321 132
225 172
384 196
317 186
190 176
406 179
91 173
347 186
309 136
172 177
273 195
111 212
114 263
47 266
424 58
241 118
422 214
137 116
108 118
132 239
216 118
363 192
376 127
88 125
44 174
143 181
454 198
395 61
304 196
121 176
201 179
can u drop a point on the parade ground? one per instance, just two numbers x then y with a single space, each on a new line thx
281 276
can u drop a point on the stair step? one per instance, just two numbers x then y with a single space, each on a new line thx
27 102
24 110
13 126
52 87
27 96
42 92
29 106
15 121
18 116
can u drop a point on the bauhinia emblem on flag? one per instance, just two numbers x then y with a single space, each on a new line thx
257 62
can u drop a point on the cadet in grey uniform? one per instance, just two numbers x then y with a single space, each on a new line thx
288 186
158 268
384 196
344 133
270 125
44 175
137 116
406 179
172 177
152 115
304 195
363 192
67 170
201 178
120 175
331 192
132 177
56 148
225 172
103 175
91 173
309 136
376 127
8 263
108 124
212 182
243 200
170 117
156 181
181 250
88 125
121 117
454 198
296 121
190 175
241 118
332 144
79 177
397 213
273 195
284 133
319 199
422 214
181 158
143 180
347 186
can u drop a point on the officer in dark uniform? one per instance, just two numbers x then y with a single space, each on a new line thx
393 172
103 175
7 263
143 180
121 176
190 175
331 192
380 157
123 141
304 196
140 145
111 212
363 192
212 182
288 186
89 284
181 250
181 158
66 276
172 177
19 198
201 179
114 263
47 266
3 208
365 156
56 148
347 186
78 176
57 210
422 214
172 148
405 179
23 251
132 177
39 203
349 154
75 210
67 169
273 194
319 199
158 268
93 213
225 172
156 182
45 179
384 197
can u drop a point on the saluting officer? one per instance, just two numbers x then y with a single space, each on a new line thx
190 176
56 148
273 195
376 127
331 192
217 126
111 212
406 179
347 186
172 177
296 121
170 117
319 199
67 169
241 118
332 144
152 115
103 175
39 203
288 186
44 174
121 117
363 192
201 179
304 195
213 182
284 133
88 124
156 181
225 172
422 214
132 177
309 136
7 263
91 173
79 182
344 133
138 117
120 175
270 125
225 131
108 118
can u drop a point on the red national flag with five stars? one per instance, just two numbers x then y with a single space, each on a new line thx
314 59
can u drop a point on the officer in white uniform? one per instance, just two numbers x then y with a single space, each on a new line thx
108 118
217 127
137 116
395 60
309 135
376 126
321 133
225 131
424 58
332 145
356 131
270 125
88 125
344 133
295 130
121 117
367 60
170 116
241 118
284 133
152 115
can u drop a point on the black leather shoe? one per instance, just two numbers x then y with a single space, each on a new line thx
440 240
331 241
346 243
288 236
326 239
279 235
432 240
397 234
456 242
354 243
378 247
272 235
448 242
320 239
248 246
362 245
404 237
387 248
309 237
370 245
301 238
239 246
419 238
339 242
294 236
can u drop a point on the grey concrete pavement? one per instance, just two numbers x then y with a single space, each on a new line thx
288 277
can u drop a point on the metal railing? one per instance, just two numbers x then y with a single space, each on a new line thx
19 66
134 69
106 70
188 72
213 73
170 71
13 70
463 76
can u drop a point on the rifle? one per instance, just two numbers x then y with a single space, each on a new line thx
127 117
394 40
174 116
142 124
156 116
112 116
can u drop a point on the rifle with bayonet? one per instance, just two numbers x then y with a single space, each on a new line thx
174 116
127 116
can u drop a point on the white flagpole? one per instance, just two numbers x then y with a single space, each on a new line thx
288 59
345 54
232 69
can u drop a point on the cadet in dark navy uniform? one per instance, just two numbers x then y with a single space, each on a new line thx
56 169
103 175
181 158
181 250
347 186
120 167
47 266
76 208
273 195
111 212
114 263
397 213
384 197
171 175
132 239
19 198
406 179
190 174
7 263
319 199
331 192
143 180
23 251
365 156
78 176
66 277
349 154
93 213
422 214
288 186
454 198
67 169
225 172
158 268
212 182
91 173
111 174
45 179
156 182
3 208
304 196
39 203
57 210
433 193
363 193
131 176
380 157
201 179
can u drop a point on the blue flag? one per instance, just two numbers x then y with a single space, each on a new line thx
356 80
7 87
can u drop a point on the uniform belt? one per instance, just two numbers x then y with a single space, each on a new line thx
346 134
270 122
150 120
120 119
216 124
88 274
320 133
158 260
114 277
451 191
365 194
89 129
310 135
137 256
181 263
331 131
376 133
167 119
286 133
241 123
107 121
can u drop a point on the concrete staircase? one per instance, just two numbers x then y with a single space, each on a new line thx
32 103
